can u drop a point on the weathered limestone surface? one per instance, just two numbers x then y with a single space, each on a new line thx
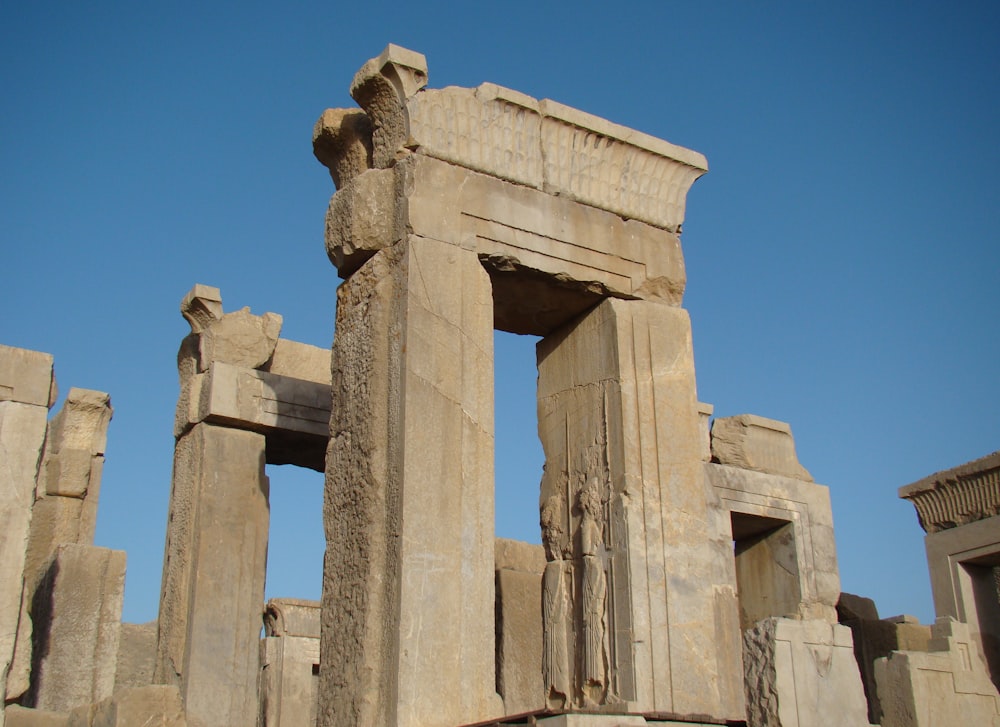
212 597
802 673
151 706
519 569
876 638
957 496
755 443
763 503
408 513
27 389
18 716
136 656
948 686
625 515
66 499
289 663
77 621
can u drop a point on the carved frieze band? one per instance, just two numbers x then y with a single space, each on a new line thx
958 496
558 149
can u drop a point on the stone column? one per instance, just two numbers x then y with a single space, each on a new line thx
625 519
408 591
27 390
213 575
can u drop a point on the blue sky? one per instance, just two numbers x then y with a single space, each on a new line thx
842 253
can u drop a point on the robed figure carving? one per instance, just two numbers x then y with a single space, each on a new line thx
557 582
594 590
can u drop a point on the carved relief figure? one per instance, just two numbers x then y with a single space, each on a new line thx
556 605
594 593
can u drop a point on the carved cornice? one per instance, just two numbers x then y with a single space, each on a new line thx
509 135
957 496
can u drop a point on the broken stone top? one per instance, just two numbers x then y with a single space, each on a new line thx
957 496
494 130
239 338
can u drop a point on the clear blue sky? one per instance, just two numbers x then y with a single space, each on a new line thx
842 253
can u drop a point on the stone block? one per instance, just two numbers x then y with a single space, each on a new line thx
519 556
245 398
950 685
26 377
802 674
519 640
136 656
292 617
756 443
851 607
289 680
76 614
239 338
150 706
17 716
364 216
300 361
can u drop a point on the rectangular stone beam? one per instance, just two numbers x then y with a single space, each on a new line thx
293 414
408 591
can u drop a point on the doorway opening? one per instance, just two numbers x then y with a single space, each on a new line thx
767 571
518 457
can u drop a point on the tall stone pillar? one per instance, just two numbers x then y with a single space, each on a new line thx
27 390
626 598
408 590
213 575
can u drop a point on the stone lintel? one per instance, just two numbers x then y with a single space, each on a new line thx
293 414
957 496
26 377
555 148
757 443
550 258
507 134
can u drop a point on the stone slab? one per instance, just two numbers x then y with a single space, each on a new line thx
26 377
802 674
77 621
22 437
757 443
519 640
136 656
947 686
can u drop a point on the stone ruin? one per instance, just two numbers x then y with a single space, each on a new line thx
687 573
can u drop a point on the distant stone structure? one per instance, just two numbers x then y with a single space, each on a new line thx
687 571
